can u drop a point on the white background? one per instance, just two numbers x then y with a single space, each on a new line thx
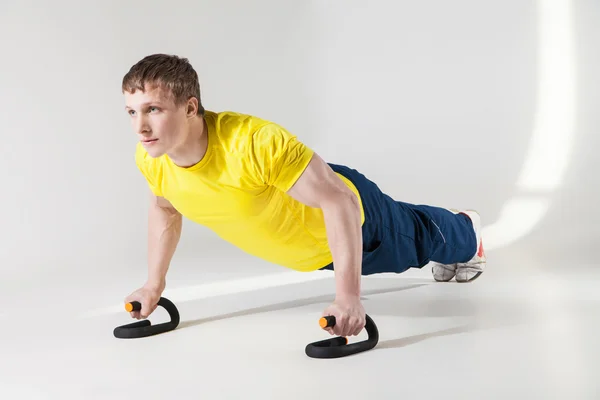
438 102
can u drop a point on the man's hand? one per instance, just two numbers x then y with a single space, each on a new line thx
148 296
349 315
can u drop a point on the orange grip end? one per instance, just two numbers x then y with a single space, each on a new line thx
129 307
323 322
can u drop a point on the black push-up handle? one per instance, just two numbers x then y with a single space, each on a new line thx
145 328
338 346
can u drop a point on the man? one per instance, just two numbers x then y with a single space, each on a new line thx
257 186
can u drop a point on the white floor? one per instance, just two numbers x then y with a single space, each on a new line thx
508 335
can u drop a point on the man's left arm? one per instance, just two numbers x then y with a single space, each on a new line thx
277 158
320 187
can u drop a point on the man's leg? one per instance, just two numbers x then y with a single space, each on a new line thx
398 235
418 235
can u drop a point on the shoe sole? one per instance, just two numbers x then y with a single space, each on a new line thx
478 216
477 275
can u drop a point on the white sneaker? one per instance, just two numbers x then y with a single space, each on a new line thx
470 270
443 272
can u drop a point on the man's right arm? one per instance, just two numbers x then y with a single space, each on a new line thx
164 231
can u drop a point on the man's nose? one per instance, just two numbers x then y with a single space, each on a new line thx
141 127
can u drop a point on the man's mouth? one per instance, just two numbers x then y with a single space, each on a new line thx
149 140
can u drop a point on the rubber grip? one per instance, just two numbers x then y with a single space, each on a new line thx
133 306
327 322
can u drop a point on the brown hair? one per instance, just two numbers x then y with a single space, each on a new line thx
173 73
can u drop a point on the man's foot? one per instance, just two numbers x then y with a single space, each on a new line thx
470 270
443 272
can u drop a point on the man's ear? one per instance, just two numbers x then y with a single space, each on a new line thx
192 107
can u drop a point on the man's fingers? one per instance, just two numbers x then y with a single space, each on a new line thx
329 329
148 308
342 325
348 327
345 328
356 327
145 310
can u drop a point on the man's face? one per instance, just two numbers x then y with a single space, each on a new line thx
159 124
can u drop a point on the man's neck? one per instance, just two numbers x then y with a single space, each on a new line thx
194 148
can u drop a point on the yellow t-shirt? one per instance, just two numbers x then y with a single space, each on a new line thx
238 190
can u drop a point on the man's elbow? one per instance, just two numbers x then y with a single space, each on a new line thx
342 198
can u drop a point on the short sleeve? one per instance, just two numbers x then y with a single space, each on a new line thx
145 166
278 157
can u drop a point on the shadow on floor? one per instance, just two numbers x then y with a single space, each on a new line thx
290 304
406 341
477 326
